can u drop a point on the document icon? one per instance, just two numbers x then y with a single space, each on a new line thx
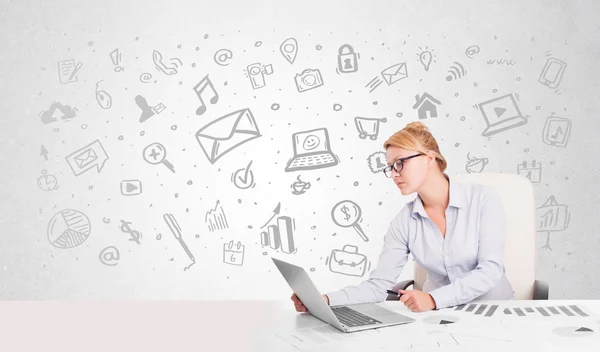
67 71
226 133
87 157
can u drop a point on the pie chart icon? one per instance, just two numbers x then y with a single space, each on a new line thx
68 228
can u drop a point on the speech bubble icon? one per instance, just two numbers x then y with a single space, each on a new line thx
85 158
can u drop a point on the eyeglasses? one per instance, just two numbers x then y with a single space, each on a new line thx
398 165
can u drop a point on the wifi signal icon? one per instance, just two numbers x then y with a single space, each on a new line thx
456 71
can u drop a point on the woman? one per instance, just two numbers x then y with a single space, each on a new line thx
455 231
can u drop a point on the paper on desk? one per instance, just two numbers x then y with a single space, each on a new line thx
323 335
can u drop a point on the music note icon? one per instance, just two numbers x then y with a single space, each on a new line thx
200 88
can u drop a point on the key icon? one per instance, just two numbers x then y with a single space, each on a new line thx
156 153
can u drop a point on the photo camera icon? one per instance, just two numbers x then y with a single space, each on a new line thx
308 79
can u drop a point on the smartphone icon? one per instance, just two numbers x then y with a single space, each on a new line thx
552 72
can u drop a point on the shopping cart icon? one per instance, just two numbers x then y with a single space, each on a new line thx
368 127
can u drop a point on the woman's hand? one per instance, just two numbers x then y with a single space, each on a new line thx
417 301
300 306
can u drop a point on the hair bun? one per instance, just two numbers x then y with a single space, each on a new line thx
416 126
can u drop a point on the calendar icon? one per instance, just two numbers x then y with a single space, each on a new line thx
556 131
533 171
233 253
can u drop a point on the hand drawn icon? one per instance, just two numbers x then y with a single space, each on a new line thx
377 162
552 72
347 59
85 158
533 172
67 71
347 261
471 51
57 111
68 228
390 75
226 133
348 214
311 151
44 152
243 178
170 69
552 217
131 187
135 235
368 127
455 72
308 79
116 58
215 218
299 186
289 49
425 105
103 98
233 253
155 154
556 131
475 165
281 235
109 256
199 90
501 114
145 77
47 182
426 58
256 72
147 111
176 231
222 57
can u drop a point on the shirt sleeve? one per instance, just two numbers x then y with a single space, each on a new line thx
490 257
391 261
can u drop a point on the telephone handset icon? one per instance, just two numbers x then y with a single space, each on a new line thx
158 62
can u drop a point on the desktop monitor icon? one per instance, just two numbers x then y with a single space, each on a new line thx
501 114
311 151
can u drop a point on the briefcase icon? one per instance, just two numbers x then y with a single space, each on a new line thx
348 261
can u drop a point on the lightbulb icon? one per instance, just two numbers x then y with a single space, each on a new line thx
425 58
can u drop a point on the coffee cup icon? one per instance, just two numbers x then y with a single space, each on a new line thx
299 187
475 165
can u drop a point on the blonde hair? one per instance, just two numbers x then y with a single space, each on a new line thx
416 136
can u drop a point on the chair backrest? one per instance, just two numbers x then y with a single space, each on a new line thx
520 253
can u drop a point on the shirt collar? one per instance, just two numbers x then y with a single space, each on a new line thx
457 197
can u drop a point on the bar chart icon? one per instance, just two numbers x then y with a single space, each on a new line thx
280 236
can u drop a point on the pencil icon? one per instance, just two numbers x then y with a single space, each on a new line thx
176 230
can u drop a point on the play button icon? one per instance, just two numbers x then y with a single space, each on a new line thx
131 187
499 111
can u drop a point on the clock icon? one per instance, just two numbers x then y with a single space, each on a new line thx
47 182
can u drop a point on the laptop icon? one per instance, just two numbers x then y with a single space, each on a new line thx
311 151
348 318
501 114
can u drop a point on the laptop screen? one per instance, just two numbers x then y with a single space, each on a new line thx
500 109
310 142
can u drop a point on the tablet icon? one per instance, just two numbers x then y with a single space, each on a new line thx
552 73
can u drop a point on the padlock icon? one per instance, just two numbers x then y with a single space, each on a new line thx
347 59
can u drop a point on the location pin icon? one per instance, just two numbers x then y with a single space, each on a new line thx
289 49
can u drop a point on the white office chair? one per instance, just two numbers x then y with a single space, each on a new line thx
520 246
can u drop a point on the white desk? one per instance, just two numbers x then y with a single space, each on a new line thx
269 325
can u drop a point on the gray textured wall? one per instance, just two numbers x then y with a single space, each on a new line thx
71 72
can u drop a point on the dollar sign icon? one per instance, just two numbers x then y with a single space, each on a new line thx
346 212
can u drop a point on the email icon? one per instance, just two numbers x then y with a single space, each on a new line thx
226 133
394 73
85 158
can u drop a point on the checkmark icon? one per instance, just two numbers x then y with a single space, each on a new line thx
245 181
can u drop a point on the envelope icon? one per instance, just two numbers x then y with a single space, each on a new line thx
394 73
87 157
226 133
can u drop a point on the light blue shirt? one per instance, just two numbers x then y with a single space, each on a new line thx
466 265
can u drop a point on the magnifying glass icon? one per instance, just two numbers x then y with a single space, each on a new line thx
347 214
156 153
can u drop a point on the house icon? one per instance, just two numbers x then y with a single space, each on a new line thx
425 105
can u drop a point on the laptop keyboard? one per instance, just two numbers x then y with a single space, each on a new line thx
350 317
308 160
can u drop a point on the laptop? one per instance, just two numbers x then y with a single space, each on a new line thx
311 151
501 114
348 318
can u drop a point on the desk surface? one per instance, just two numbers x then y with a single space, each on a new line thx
564 325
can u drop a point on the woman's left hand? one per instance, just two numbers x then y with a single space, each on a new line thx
417 301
